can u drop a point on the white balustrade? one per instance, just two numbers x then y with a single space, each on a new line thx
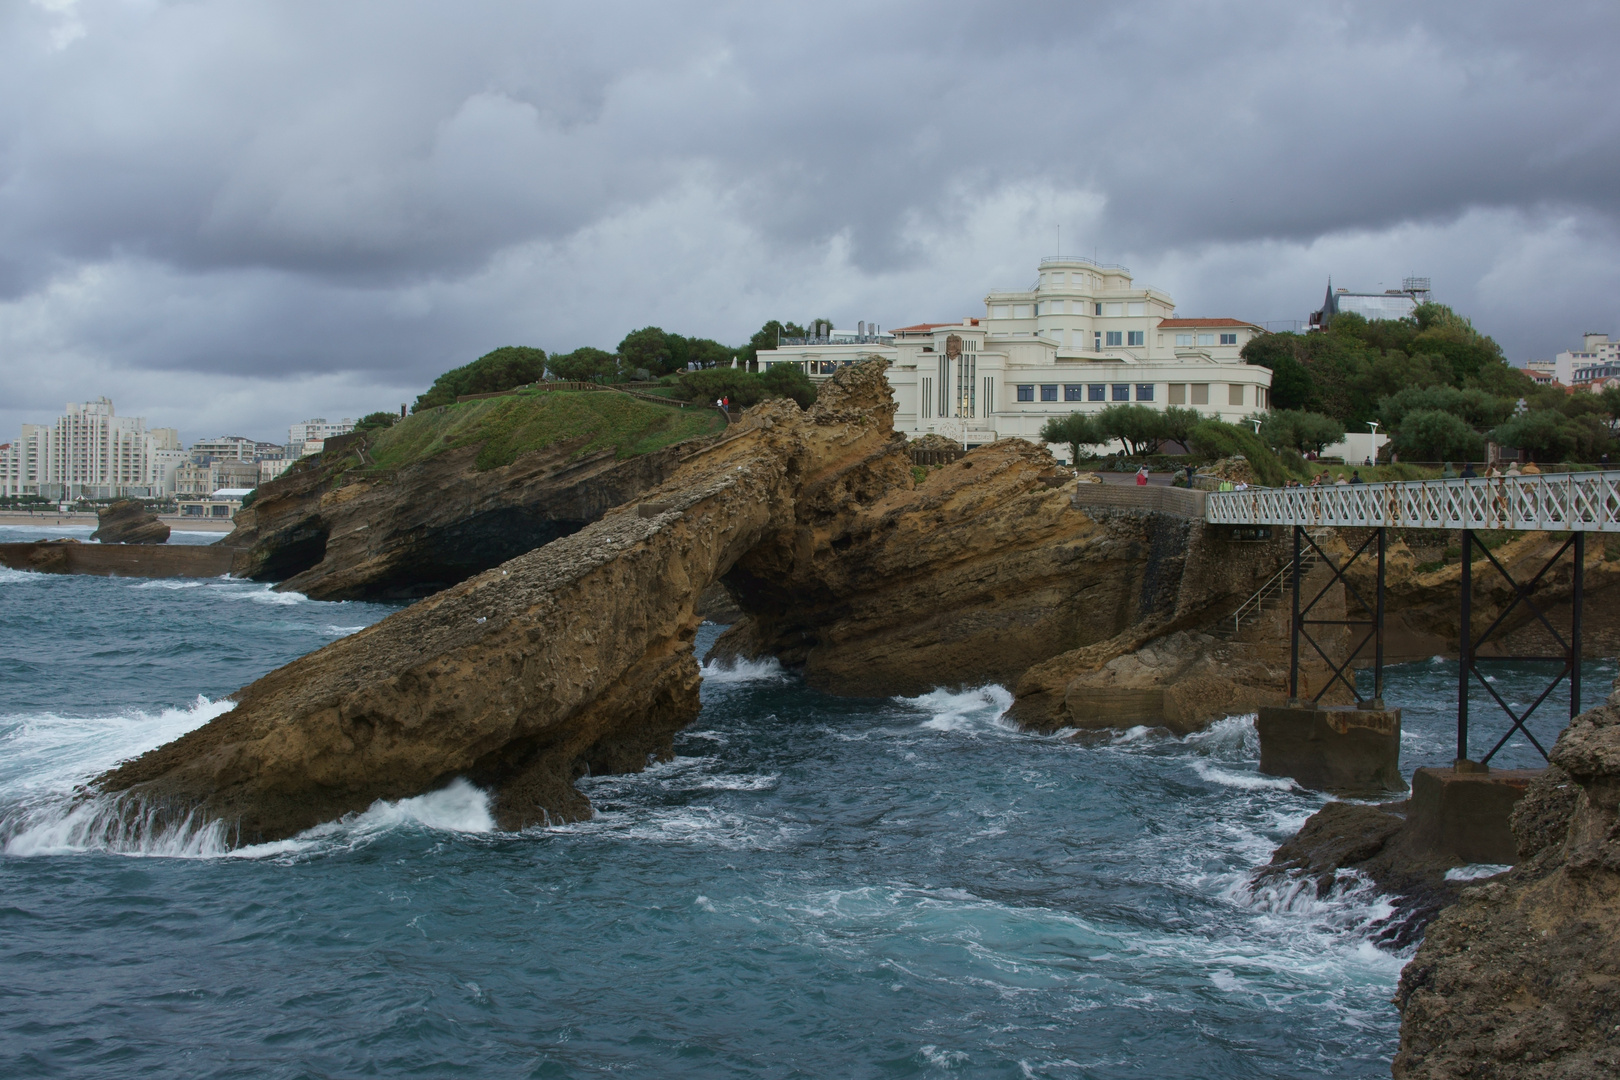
1562 502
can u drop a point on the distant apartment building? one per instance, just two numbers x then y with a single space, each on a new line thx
91 452
272 467
305 438
1593 366
1082 338
200 479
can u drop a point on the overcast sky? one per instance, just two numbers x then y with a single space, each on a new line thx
232 216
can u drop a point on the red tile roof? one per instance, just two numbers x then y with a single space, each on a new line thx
922 328
1207 322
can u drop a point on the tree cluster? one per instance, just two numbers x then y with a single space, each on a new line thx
1141 428
1439 388
506 367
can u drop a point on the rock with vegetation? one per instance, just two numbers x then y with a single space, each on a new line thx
576 656
405 510
504 369
1520 978
128 521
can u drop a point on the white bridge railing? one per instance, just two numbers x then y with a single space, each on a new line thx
1565 502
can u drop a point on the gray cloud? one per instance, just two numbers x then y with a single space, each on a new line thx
311 207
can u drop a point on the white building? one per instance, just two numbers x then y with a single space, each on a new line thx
1590 368
90 452
306 437
1390 304
1082 338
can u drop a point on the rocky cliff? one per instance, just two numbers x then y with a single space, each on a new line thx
336 532
1521 977
129 522
574 656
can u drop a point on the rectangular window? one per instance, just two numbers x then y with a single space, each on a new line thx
1206 339
1115 339
1074 393
1200 393
1097 309
1020 311
1026 393
999 311
1048 393
1178 393
1234 394
1122 391
1096 392
1137 307
1184 341
1134 337
1144 391
1228 339
1096 340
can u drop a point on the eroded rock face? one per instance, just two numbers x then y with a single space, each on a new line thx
574 656
129 522
433 524
1521 977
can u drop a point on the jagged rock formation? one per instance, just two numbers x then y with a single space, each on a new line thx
574 656
1521 977
333 534
1374 841
129 522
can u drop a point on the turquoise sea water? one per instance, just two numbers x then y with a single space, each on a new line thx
814 887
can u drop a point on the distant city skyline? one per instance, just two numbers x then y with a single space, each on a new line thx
304 217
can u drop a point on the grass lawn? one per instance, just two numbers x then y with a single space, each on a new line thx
517 423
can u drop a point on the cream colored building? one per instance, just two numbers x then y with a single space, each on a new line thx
90 452
1081 338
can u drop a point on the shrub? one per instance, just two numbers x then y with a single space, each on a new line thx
503 369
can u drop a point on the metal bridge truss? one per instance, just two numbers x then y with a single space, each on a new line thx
1373 624
1568 658
1588 502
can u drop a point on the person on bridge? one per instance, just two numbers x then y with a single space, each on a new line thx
1468 472
1355 477
1531 469
1141 476
1448 473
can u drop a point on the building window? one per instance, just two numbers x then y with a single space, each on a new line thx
1048 393
1096 392
1234 394
1206 339
1134 337
1026 393
1184 341
1178 393
1200 393
999 311
1020 311
1122 391
1096 340
1096 309
1114 309
1073 393
1137 307
1228 339
1115 339
1144 391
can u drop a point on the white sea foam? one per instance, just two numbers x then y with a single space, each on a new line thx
1242 781
259 594
1476 871
10 576
342 631
977 709
729 672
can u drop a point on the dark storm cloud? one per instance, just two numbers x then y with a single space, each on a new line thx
381 188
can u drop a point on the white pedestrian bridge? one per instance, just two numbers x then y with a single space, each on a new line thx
1562 502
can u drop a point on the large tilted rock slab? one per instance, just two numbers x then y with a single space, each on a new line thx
1521 977
574 656
128 521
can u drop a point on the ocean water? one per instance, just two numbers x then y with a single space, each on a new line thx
814 887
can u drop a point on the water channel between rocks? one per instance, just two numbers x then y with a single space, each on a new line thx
815 886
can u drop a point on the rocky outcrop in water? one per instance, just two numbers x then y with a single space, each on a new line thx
573 657
129 522
1521 977
333 532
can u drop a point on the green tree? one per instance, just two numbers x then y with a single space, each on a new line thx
1297 429
1290 379
647 350
377 421
503 369
789 381
583 365
1214 439
1436 435
1074 431
1176 423
1139 427
1478 408
766 338
1547 435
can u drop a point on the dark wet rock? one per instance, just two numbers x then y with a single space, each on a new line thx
129 522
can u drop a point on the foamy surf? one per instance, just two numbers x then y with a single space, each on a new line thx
980 708
732 672
47 753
